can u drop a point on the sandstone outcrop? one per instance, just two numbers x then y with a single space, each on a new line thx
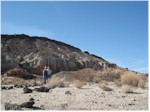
33 53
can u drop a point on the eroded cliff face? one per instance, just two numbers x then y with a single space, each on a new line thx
33 53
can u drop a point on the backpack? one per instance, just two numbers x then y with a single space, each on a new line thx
49 72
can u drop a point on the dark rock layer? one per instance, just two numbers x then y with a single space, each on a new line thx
33 53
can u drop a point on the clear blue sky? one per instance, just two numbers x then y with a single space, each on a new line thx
115 31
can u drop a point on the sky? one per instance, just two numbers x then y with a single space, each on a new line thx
115 31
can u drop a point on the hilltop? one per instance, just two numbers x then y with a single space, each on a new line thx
33 53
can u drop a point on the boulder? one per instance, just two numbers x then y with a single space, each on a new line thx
27 90
28 104
18 86
42 89
10 87
7 87
3 87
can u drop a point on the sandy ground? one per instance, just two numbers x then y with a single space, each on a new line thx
90 97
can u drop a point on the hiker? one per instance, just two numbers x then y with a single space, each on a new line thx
45 75
49 72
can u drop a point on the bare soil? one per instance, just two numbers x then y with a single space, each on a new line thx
89 97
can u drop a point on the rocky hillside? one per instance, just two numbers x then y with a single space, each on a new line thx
33 53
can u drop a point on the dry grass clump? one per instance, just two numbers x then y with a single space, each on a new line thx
20 81
103 85
127 89
96 79
79 83
141 84
130 78
57 81
117 83
12 80
37 82
108 74
83 75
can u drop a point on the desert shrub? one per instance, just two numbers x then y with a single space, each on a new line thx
141 84
127 89
86 78
58 81
12 80
62 84
35 82
103 85
130 78
70 76
104 75
83 74
117 83
108 74
79 83
96 79
38 83
20 81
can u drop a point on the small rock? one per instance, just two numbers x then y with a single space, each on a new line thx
18 86
134 99
130 104
31 99
68 93
27 90
123 96
15 85
94 102
11 87
28 104
109 105
3 87
6 87
42 106
42 89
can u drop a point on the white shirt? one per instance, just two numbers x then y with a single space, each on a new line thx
49 71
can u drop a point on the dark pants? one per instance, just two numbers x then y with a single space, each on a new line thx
49 76
45 80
